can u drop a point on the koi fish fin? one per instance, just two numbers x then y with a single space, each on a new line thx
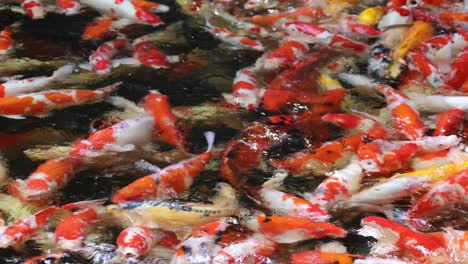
14 116
63 72
124 103
210 137
85 66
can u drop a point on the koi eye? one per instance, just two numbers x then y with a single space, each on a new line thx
413 3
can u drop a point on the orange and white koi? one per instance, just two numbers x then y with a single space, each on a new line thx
449 122
123 136
235 41
136 241
151 6
169 182
406 119
287 204
319 161
6 41
352 27
382 158
101 59
305 14
419 62
71 231
68 7
158 106
147 54
200 246
395 236
41 103
426 160
103 27
127 9
311 33
338 186
245 90
29 85
290 229
255 249
282 57
24 229
442 195
358 123
33 8
46 180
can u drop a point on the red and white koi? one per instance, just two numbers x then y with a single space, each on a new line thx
68 7
358 123
169 182
282 57
290 229
311 33
287 204
71 231
42 103
123 136
6 41
147 54
33 8
235 41
395 16
350 26
158 106
245 90
449 122
46 180
303 14
29 85
136 241
439 158
255 249
101 59
394 236
338 186
24 229
200 246
127 9
442 195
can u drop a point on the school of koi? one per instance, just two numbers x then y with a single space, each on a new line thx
401 169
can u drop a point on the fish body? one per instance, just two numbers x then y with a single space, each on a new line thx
136 241
33 8
101 59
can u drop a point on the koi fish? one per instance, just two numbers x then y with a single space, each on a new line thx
123 136
282 57
317 256
151 6
24 229
254 249
381 158
41 103
29 85
165 122
358 123
449 122
287 204
236 41
260 4
68 7
311 33
71 231
46 180
200 246
173 216
289 229
6 41
398 236
169 182
124 9
245 90
326 158
439 158
136 241
33 8
395 16
338 186
147 54
101 59
442 195
306 14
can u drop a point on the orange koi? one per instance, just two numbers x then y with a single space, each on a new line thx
282 57
41 103
165 122
306 14
6 41
449 122
24 229
48 178
98 29
169 182
358 123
